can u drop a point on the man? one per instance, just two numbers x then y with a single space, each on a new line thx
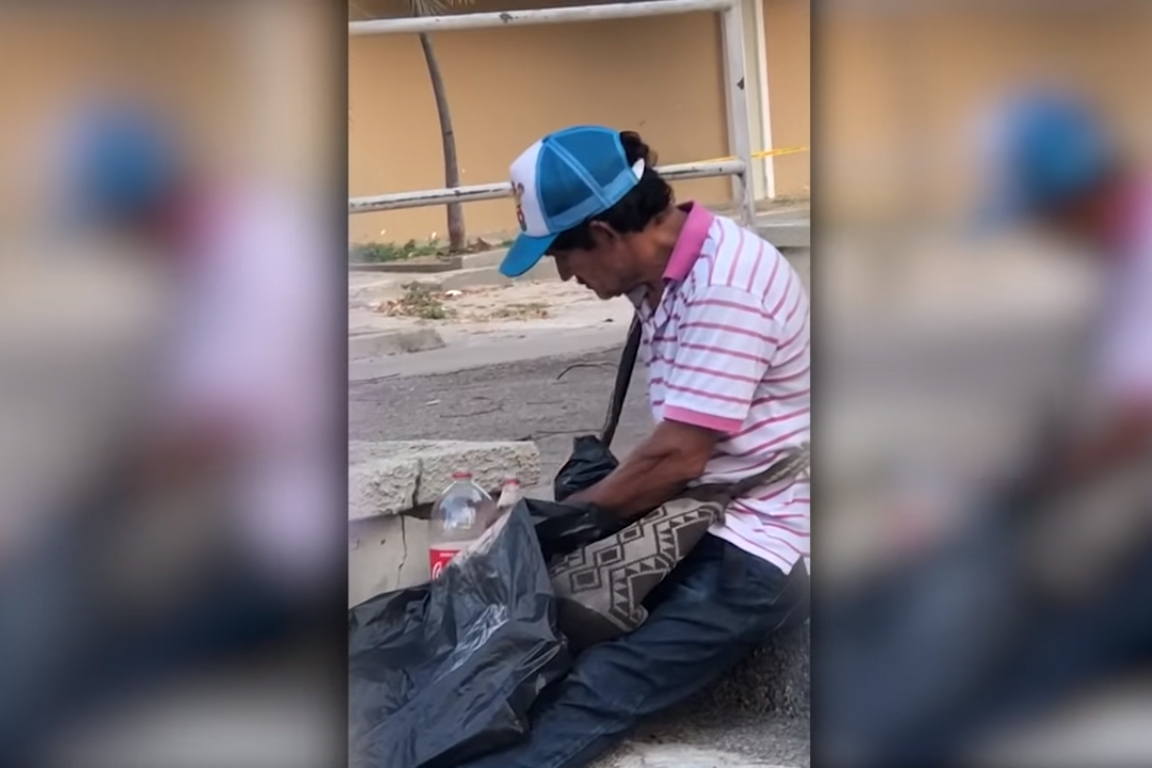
726 342
232 403
1058 170
1064 173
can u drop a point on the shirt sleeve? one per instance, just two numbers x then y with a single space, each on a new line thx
1125 371
726 343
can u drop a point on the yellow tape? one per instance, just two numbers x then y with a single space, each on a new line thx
761 154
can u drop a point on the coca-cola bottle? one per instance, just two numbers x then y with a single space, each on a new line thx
461 515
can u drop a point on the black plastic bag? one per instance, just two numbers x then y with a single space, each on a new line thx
561 529
444 672
591 461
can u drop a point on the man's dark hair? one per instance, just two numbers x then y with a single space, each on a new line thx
644 202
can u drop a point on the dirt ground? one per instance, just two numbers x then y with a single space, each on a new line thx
493 309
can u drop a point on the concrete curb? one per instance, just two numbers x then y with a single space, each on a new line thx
393 476
473 269
791 235
375 344
409 267
425 265
473 277
387 480
680 756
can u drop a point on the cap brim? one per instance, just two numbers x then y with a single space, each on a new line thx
524 254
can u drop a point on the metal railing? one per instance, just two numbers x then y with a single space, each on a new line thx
736 102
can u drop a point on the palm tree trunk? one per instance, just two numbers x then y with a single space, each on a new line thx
456 234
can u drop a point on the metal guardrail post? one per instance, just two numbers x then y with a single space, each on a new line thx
736 103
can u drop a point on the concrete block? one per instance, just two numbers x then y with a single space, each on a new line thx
389 477
384 343
489 463
385 553
389 550
382 486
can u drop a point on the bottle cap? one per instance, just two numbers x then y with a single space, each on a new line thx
461 474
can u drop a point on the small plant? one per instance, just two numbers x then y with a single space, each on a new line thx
419 300
532 310
378 253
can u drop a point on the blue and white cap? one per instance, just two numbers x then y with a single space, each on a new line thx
121 159
561 181
1048 148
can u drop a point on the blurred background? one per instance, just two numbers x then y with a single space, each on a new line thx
173 207
171 383
983 267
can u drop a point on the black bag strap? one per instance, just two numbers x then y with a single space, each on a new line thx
623 379
792 464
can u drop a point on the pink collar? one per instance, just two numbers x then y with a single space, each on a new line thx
1132 225
690 242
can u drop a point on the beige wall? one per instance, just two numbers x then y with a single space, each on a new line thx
661 76
507 88
900 93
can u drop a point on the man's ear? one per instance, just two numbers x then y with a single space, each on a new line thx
602 233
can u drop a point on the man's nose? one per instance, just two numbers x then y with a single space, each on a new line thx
563 269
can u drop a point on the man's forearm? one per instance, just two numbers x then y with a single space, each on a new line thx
659 469
637 486
1082 461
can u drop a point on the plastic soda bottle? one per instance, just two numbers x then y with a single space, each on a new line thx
510 494
461 515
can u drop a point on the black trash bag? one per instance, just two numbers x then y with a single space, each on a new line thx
444 672
591 461
561 529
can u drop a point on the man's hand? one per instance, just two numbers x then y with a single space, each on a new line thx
1124 437
662 465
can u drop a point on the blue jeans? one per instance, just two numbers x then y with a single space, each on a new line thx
65 650
956 647
713 610
1061 652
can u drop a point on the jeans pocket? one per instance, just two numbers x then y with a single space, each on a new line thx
759 583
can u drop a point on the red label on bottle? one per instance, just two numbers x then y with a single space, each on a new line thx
438 559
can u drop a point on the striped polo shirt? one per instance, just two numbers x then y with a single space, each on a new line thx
728 349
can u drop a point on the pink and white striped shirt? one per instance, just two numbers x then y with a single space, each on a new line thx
728 349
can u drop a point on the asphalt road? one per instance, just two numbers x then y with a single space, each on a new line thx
552 399
547 400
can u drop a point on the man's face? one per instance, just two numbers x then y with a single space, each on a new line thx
608 268
1084 221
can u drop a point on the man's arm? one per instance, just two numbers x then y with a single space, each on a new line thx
1122 378
1123 437
657 470
726 343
